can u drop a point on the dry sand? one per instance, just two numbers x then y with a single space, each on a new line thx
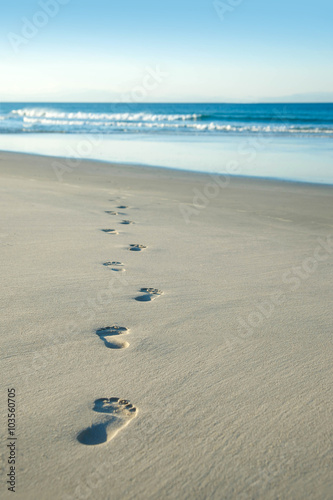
229 368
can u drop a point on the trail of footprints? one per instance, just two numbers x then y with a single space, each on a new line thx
118 413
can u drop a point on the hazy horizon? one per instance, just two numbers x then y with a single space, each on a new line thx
272 101
231 51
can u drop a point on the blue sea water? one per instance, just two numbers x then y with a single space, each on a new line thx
185 119
288 141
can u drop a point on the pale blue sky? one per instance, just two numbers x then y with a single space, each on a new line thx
101 50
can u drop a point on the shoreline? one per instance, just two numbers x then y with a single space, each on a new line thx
259 157
115 164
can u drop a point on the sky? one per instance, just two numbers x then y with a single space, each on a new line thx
166 50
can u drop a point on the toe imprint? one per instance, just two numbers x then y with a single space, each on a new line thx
155 291
112 405
112 330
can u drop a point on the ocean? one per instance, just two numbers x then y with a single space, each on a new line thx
187 119
286 141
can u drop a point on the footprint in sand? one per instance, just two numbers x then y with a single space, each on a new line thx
107 333
127 222
121 413
122 207
136 247
110 231
115 266
110 212
149 294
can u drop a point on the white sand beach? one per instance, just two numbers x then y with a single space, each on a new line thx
228 371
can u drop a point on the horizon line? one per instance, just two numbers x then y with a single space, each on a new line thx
165 102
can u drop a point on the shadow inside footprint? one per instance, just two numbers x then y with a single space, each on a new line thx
115 344
118 266
96 434
126 222
145 298
149 294
110 231
136 247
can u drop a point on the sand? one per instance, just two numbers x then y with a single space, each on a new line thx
227 370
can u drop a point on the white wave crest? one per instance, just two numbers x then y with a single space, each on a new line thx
135 117
39 119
